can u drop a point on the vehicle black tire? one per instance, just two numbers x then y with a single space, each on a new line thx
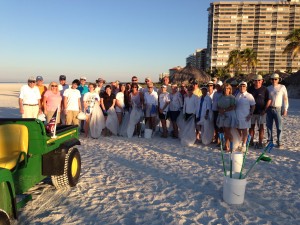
72 169
4 218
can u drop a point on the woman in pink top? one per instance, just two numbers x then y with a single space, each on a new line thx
52 101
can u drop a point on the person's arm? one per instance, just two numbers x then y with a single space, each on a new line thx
114 103
45 104
65 104
252 107
21 105
102 104
79 104
285 102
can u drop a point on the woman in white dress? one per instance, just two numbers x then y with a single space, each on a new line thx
91 99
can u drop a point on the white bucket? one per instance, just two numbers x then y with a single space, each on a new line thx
234 189
237 161
148 133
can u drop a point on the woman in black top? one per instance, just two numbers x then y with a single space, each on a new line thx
107 100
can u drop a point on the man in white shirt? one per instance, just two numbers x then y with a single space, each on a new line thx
72 103
29 100
245 105
190 105
278 107
164 101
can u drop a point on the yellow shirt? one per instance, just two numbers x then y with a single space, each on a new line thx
197 92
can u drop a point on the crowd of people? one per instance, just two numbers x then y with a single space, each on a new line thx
228 106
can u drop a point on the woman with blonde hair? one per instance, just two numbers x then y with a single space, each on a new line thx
227 117
52 101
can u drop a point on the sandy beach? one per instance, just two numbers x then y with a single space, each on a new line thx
159 181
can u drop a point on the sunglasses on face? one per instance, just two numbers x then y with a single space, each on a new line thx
243 85
53 85
83 79
274 79
31 81
257 80
133 80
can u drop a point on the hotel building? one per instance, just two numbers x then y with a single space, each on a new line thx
261 25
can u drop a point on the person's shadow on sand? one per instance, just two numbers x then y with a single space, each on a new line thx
6 112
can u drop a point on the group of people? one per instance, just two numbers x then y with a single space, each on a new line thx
228 106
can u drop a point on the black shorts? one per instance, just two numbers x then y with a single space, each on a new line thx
174 115
163 116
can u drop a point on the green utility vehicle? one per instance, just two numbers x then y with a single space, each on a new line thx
28 154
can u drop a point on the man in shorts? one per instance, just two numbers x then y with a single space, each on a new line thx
72 103
263 101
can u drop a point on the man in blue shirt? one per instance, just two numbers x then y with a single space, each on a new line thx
82 89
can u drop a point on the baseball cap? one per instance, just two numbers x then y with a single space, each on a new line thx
243 83
258 77
204 87
234 83
62 77
82 78
220 83
275 76
31 78
210 82
39 78
99 80
163 86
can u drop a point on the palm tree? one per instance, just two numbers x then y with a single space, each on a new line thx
235 61
250 58
293 46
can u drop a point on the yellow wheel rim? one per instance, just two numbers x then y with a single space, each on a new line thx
74 167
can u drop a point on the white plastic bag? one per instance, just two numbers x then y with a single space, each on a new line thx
124 124
112 122
236 138
135 117
97 122
188 134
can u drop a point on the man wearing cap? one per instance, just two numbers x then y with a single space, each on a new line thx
100 86
166 82
210 89
235 89
263 101
62 84
163 103
42 88
30 100
147 81
245 105
83 89
134 80
62 87
203 111
278 107
150 106
176 103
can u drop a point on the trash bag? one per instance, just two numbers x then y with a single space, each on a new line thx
207 131
188 133
112 122
135 117
124 124
180 123
236 138
97 122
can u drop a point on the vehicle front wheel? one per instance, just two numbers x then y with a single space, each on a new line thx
4 219
72 170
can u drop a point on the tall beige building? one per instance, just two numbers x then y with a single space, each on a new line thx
261 25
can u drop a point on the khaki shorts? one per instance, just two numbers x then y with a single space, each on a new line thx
71 118
30 111
258 119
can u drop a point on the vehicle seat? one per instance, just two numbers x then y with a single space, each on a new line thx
13 141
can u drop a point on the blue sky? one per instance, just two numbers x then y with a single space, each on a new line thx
114 39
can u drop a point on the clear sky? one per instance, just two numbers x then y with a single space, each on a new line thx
112 39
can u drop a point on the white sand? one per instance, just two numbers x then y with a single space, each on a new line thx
157 181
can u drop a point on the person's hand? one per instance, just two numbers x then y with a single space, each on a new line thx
66 112
160 111
248 117
21 110
284 113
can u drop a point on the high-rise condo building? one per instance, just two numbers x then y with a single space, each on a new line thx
261 25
